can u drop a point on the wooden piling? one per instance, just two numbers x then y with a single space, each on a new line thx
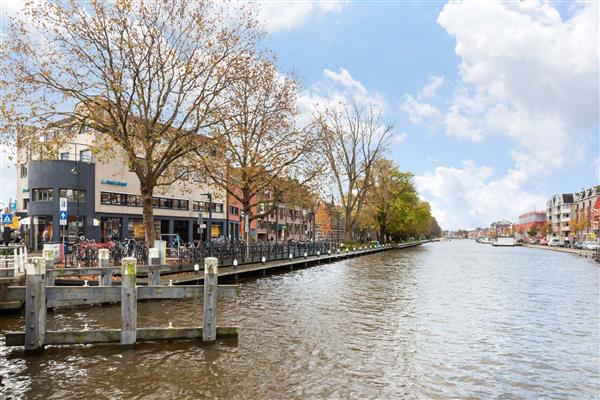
211 276
153 267
105 274
128 301
35 304
48 256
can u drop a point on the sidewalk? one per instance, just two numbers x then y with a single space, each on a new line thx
582 253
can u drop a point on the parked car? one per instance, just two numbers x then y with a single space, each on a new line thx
590 245
542 242
578 245
555 242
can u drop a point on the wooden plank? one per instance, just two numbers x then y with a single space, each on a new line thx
62 296
105 278
114 335
128 301
209 316
35 305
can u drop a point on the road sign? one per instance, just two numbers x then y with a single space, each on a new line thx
62 204
7 219
62 216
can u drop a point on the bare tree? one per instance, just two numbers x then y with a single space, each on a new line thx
146 74
270 158
354 138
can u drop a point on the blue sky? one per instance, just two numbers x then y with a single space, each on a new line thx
501 132
495 104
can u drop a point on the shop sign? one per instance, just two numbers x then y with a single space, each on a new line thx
113 182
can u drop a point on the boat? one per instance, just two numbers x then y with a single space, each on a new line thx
484 240
505 241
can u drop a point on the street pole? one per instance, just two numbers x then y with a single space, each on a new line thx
276 224
209 226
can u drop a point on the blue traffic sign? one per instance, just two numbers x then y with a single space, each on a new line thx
7 219
62 215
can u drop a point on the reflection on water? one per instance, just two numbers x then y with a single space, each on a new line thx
447 320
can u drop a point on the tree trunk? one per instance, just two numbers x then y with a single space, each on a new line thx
148 212
348 224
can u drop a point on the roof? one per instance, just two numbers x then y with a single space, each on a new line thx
567 198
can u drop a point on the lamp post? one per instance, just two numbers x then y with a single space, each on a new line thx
209 226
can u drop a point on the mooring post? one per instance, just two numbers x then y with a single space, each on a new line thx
153 267
105 273
49 265
35 304
211 276
128 301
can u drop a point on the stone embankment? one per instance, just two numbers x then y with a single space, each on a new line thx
581 253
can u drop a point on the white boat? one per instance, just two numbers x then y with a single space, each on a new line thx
484 240
505 241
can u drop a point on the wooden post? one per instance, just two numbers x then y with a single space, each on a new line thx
128 301
35 304
49 265
153 267
105 274
211 277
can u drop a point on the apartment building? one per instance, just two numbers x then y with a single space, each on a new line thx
529 220
558 212
583 212
103 198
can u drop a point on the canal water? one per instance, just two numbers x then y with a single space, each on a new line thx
445 320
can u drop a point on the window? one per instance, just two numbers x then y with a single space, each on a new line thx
42 195
64 156
73 194
233 210
134 200
85 155
25 204
199 206
23 170
217 207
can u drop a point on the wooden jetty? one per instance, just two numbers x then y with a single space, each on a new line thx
161 281
38 296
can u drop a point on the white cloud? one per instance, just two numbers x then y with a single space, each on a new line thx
337 88
286 15
531 76
528 75
399 138
468 196
430 90
418 112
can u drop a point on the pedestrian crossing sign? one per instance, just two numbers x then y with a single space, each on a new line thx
7 219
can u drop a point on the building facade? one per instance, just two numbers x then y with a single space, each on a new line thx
584 221
533 219
558 213
103 199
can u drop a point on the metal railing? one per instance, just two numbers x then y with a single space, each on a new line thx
12 260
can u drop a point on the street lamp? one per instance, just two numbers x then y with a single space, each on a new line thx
209 226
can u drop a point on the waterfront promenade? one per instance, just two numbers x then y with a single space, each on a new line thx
581 253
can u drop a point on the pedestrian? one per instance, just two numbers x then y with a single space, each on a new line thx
6 235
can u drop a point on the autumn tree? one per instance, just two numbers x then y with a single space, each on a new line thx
269 157
435 231
533 231
354 138
146 74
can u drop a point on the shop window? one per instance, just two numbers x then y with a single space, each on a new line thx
73 194
42 195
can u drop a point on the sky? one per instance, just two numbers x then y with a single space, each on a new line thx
495 104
